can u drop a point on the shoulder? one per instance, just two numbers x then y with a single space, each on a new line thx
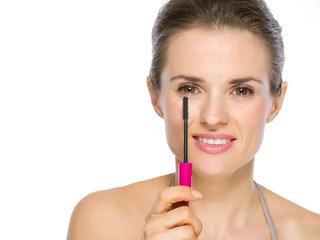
114 213
301 224
292 221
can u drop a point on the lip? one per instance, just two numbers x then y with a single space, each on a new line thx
213 148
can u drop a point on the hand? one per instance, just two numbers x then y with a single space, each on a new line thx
166 221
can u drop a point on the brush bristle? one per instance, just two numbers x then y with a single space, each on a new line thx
185 108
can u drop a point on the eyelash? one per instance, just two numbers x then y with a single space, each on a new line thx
247 88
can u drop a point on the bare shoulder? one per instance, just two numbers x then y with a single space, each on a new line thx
115 213
292 221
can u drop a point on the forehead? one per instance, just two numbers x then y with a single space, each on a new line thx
216 55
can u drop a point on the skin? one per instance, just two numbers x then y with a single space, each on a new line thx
223 203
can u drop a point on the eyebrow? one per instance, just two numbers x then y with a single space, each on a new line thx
244 80
231 82
188 78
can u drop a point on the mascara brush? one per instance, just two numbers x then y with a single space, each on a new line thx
185 168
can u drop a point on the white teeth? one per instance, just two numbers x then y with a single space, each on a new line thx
213 141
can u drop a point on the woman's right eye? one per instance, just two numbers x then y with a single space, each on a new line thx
187 89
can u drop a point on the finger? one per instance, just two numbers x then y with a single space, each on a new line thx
175 218
184 216
183 232
168 196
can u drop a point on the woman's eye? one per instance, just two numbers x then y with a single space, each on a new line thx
189 89
242 91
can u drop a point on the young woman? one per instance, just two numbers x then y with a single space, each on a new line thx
226 56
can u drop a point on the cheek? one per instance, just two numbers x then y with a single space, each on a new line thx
174 124
251 122
255 114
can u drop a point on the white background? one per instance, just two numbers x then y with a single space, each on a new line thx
75 115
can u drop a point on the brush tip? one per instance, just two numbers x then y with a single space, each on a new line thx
185 108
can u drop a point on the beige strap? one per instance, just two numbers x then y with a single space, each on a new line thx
170 180
267 213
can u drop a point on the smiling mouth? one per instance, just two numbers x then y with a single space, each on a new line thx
211 141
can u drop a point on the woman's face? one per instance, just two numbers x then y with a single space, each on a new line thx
224 74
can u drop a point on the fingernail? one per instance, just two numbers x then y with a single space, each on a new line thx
196 194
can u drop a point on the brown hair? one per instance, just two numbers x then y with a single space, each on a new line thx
251 15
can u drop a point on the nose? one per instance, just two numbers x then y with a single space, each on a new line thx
214 112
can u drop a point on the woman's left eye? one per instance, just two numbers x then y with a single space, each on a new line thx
242 91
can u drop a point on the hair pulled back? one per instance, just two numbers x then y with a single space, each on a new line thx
251 15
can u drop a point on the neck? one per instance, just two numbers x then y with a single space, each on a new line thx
228 201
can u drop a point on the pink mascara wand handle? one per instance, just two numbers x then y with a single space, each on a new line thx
185 174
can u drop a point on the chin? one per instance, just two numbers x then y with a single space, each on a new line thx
212 170
218 168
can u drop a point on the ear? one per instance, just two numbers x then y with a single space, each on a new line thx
277 103
154 95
